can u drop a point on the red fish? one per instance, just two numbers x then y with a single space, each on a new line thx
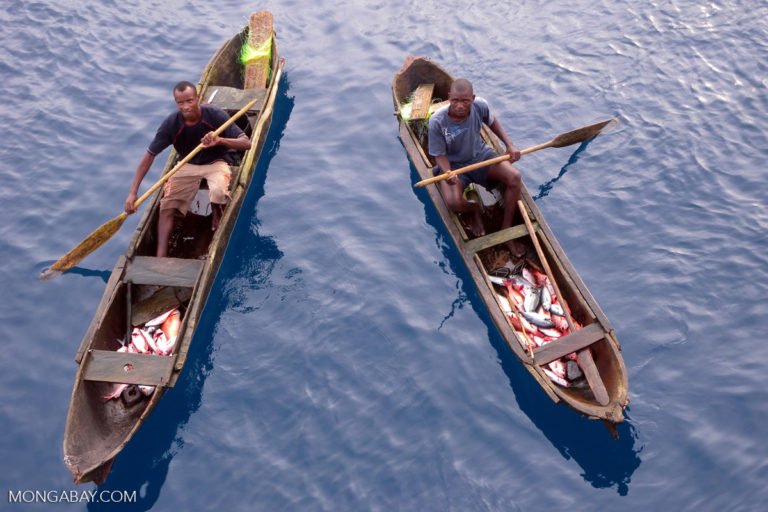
561 324
520 323
140 341
551 333
158 320
165 337
515 297
116 391
555 378
171 325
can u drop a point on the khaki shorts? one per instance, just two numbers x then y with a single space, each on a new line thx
183 186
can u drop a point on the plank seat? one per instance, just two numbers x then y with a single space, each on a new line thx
232 99
125 368
496 238
422 98
437 106
574 342
163 271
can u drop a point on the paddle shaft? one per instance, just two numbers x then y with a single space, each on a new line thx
184 161
543 259
478 165
564 139
104 232
598 388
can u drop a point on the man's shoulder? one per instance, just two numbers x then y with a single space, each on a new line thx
171 120
213 111
482 103
438 116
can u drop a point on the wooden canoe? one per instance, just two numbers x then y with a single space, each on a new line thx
142 286
599 357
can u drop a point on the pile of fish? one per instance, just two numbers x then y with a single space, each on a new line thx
538 316
158 337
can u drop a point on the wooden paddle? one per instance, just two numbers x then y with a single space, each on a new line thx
585 357
564 139
109 228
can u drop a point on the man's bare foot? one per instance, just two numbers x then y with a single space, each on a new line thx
476 225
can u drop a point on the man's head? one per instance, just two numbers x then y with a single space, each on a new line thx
461 97
187 100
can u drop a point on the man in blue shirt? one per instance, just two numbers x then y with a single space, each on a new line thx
191 125
455 141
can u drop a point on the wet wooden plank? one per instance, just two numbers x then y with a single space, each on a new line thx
592 374
233 99
496 238
568 344
160 302
422 98
123 368
257 68
437 106
163 271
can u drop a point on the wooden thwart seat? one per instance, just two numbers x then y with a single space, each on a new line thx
437 106
232 99
578 342
125 368
568 344
163 271
422 98
496 238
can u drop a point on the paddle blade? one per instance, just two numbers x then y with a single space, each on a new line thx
84 248
581 134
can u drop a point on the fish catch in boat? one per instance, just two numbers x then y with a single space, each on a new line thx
536 313
156 337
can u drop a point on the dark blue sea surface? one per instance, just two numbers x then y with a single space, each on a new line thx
344 360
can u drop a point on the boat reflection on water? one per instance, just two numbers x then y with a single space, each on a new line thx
545 188
606 461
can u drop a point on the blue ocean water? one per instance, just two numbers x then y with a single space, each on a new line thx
344 360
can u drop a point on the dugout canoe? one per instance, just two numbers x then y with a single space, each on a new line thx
142 286
418 89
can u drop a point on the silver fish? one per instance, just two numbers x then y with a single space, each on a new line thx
501 281
556 309
528 276
555 378
532 297
546 298
573 371
538 319
521 280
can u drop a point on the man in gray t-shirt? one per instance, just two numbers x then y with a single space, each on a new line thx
455 141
